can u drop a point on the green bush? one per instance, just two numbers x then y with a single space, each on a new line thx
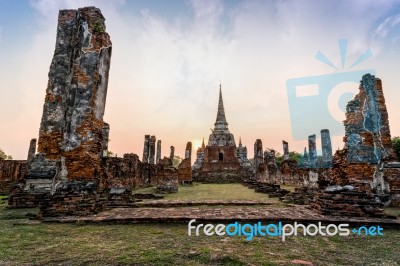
396 146
98 26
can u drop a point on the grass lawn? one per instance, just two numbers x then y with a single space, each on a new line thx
200 191
393 211
216 191
169 244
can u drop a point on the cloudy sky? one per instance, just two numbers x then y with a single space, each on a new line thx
169 58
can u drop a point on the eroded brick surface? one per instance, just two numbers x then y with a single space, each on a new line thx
11 172
72 135
72 122
359 174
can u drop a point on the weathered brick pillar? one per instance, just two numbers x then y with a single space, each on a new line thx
368 148
326 148
258 157
31 153
367 132
72 120
145 158
152 149
158 157
67 170
285 150
306 158
106 133
312 150
172 154
258 152
270 161
269 157
185 167
188 151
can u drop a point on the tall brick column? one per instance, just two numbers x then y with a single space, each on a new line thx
312 150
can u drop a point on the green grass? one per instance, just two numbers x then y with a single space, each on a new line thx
169 244
199 191
145 190
288 187
216 192
393 211
22 243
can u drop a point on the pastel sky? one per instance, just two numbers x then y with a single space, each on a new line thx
169 58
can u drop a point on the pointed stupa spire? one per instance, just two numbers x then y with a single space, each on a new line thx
203 146
240 141
220 123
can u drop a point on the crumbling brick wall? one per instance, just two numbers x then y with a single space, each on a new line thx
367 135
11 171
121 172
289 172
185 167
358 169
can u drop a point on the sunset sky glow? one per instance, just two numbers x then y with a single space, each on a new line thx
169 58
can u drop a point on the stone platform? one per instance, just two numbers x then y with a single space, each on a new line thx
220 215
191 203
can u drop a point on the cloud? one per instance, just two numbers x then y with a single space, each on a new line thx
165 72
387 25
49 8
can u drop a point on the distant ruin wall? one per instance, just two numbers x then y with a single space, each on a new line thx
121 172
11 171
185 167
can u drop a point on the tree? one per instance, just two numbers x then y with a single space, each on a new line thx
251 160
278 158
396 146
4 156
177 161
296 156
292 155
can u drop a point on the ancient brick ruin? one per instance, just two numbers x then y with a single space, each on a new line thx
220 162
71 137
367 140
260 167
72 122
158 156
199 157
326 148
272 166
288 168
72 173
11 172
185 167
364 172
312 150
